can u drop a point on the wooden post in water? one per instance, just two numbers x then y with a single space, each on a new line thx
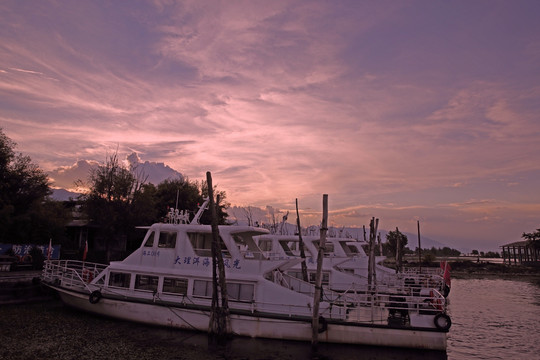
419 247
398 251
318 278
373 227
301 244
219 316
380 244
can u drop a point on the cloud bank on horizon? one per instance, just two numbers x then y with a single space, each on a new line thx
405 111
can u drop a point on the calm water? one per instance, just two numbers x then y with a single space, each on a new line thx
492 319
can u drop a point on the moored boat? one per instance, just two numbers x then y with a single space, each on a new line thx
168 281
345 262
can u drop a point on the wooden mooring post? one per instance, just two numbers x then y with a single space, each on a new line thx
399 255
419 247
318 278
219 316
301 245
373 228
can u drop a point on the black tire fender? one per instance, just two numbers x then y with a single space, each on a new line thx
442 321
446 290
94 297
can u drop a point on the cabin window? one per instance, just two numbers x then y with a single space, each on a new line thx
349 249
202 244
265 245
285 245
235 291
325 278
146 282
328 247
175 286
202 288
296 274
240 292
167 239
117 279
150 241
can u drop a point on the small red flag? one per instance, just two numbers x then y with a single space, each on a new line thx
446 272
49 250
85 251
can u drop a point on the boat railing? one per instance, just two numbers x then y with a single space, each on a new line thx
380 301
423 270
71 273
414 281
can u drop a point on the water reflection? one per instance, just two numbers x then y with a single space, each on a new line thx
243 348
494 319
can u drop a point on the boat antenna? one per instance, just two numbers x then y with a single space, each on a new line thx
198 215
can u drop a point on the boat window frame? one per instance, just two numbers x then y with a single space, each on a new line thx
263 245
242 286
112 274
204 239
325 277
166 278
207 288
328 248
349 249
151 286
150 240
167 239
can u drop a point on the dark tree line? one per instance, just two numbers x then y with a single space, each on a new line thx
533 238
118 200
27 214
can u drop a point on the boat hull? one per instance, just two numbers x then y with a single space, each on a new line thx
253 324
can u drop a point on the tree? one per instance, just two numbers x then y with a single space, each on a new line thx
120 199
221 205
181 193
116 203
24 191
533 238
392 238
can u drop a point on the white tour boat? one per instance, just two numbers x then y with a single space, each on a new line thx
347 260
168 281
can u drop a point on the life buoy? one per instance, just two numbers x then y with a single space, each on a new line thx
435 302
87 275
323 325
95 296
442 321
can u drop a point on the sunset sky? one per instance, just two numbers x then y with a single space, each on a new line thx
402 110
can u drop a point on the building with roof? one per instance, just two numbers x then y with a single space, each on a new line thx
521 253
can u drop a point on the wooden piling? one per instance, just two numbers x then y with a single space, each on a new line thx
399 255
373 228
419 247
219 317
301 245
318 278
